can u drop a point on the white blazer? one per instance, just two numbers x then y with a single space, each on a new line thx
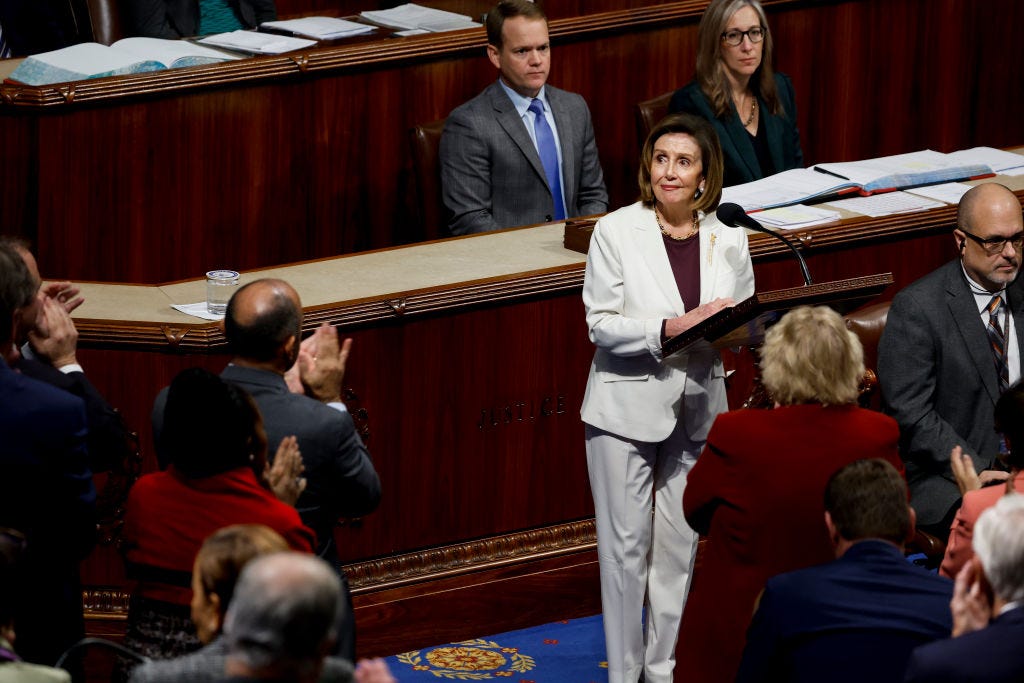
628 291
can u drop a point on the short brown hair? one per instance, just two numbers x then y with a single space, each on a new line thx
506 9
711 164
868 499
223 554
810 357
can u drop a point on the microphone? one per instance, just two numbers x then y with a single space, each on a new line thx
734 216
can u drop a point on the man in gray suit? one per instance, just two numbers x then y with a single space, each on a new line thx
263 327
949 349
520 152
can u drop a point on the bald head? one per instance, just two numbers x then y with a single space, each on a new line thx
263 321
985 200
988 235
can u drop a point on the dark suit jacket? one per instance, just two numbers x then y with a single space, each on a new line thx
741 165
46 491
938 380
34 26
207 666
108 440
180 18
854 619
991 655
756 493
491 173
340 478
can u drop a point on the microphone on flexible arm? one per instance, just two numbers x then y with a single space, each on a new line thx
734 216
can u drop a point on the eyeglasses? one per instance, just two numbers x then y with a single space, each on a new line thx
734 38
995 245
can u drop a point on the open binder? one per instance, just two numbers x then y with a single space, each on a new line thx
745 323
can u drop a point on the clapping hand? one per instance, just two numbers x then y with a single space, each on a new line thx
285 475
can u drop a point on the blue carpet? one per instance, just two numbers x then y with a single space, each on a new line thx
562 652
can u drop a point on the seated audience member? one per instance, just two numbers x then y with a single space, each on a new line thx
187 18
12 668
752 109
46 487
520 152
283 620
988 623
47 340
858 617
214 436
755 492
219 562
939 366
1009 421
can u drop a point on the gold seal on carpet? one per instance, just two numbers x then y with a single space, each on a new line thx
469 660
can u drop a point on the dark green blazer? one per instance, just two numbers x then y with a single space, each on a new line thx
741 165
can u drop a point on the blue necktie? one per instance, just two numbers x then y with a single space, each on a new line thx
548 155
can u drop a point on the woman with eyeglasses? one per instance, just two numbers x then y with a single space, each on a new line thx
752 108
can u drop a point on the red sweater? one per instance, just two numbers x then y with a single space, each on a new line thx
168 517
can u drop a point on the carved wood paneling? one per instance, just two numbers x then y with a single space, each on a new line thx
162 176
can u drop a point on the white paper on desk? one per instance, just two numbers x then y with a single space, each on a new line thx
1000 161
198 310
257 43
787 187
946 192
886 204
412 16
320 28
796 216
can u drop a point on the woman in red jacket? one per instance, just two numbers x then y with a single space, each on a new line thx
214 438
757 489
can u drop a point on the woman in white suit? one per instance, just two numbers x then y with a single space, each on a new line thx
655 269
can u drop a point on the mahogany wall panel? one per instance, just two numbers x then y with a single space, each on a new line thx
167 177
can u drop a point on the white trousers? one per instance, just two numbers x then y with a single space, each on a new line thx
638 555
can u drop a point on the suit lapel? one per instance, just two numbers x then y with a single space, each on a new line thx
741 141
709 265
566 134
773 132
964 311
508 118
648 239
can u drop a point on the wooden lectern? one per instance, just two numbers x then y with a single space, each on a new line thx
745 323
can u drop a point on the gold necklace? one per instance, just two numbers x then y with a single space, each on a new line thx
753 112
753 108
695 220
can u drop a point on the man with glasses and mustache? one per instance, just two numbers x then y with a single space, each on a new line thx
951 345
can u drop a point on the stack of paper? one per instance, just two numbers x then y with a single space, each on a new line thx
796 217
320 28
901 171
886 204
1002 162
257 43
788 187
126 56
418 18
946 192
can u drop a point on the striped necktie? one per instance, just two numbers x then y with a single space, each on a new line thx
548 155
997 339
5 49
